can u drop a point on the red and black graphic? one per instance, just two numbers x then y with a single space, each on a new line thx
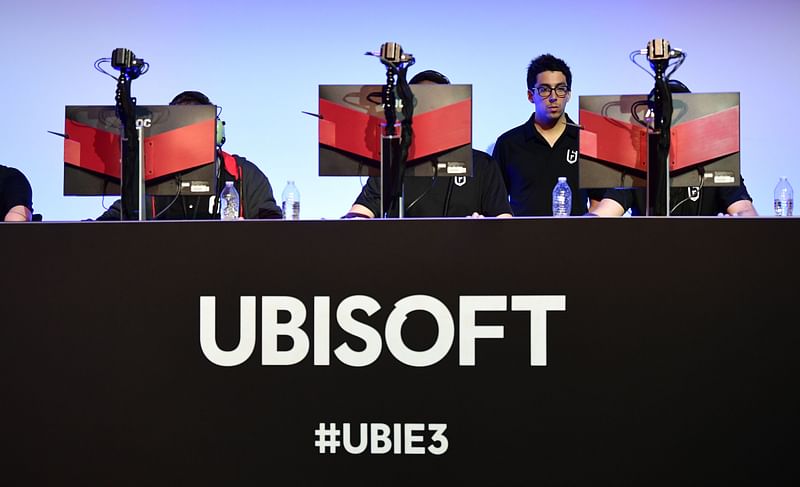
352 120
178 145
704 147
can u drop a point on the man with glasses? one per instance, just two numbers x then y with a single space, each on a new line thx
534 155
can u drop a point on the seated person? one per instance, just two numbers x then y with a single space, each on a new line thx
255 191
16 196
691 201
483 194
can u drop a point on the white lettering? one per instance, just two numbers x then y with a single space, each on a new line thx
394 329
439 441
362 439
380 439
410 438
398 443
370 335
208 332
468 331
271 329
538 306
322 330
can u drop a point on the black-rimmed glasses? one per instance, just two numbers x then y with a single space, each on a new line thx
544 90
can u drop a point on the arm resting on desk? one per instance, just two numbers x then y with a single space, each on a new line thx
606 207
19 213
742 208
359 211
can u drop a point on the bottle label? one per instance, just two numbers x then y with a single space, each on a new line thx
784 207
291 209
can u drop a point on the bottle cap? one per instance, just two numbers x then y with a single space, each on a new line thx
562 179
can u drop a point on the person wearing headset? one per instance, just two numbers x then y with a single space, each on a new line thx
483 194
691 201
16 195
255 192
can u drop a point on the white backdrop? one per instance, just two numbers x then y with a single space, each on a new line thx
263 62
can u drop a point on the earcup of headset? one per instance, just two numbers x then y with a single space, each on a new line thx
220 132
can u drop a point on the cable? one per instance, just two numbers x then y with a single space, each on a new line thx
360 176
97 66
220 161
632 57
434 178
406 130
375 98
635 115
241 190
681 58
700 195
672 66
447 198
103 196
177 195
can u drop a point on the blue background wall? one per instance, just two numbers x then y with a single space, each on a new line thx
263 61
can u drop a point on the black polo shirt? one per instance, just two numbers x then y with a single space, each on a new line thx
15 190
531 168
693 201
483 193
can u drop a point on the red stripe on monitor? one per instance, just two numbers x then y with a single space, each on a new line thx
442 129
92 149
704 139
358 133
612 140
180 149
349 130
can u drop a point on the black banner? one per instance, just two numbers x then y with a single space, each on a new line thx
459 352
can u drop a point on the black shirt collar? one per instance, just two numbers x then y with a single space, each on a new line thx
531 132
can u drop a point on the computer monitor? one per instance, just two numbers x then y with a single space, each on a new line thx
351 125
179 149
615 146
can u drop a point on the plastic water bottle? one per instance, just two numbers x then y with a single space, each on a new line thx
562 198
291 202
229 202
784 198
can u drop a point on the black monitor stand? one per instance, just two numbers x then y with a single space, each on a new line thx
392 160
658 153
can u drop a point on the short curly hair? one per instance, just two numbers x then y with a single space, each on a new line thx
547 62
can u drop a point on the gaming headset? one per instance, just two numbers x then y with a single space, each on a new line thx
220 128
